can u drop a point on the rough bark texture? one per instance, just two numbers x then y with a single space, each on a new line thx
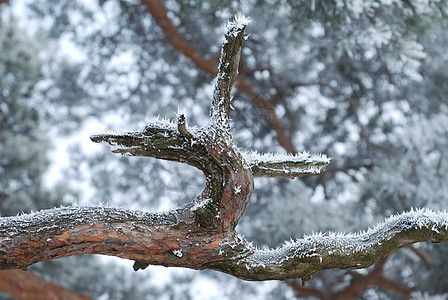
25 285
202 234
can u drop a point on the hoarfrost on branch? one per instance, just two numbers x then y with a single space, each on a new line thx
202 234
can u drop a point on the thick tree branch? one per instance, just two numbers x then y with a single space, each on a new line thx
25 285
168 239
304 257
202 234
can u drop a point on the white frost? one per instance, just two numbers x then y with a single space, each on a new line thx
255 158
200 204
162 123
178 252
237 189
233 27
320 244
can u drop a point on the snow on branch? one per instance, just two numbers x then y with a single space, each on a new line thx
228 71
303 257
285 165
234 27
160 139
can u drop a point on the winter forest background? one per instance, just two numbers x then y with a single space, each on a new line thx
364 82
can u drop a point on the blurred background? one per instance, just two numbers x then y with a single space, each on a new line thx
364 82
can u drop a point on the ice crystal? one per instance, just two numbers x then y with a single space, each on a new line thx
178 252
200 204
233 27
161 123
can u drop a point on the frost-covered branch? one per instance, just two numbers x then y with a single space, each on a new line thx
303 257
228 71
155 238
202 234
172 239
278 165
257 98
160 139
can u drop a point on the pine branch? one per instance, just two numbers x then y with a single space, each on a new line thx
304 257
202 234
228 72
168 239
159 13
277 165
149 237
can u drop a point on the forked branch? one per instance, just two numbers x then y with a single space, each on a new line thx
159 13
202 234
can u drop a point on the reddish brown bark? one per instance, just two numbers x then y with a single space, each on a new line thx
25 285
159 13
153 238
